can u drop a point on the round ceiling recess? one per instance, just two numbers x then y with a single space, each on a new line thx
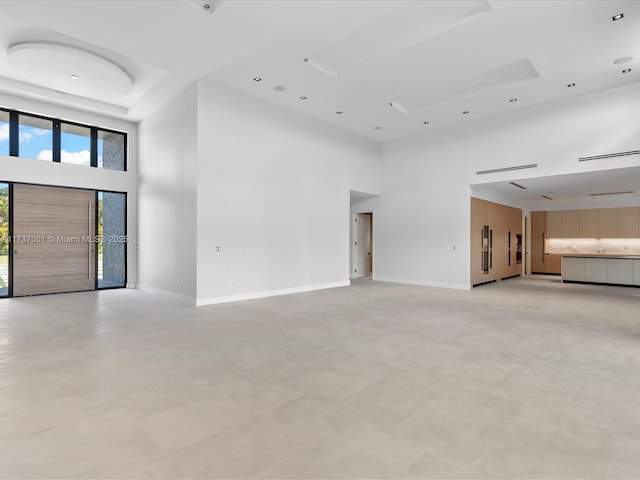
69 70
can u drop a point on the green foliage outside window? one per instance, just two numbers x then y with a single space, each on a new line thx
4 221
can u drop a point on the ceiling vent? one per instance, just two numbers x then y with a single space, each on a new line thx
507 169
548 198
518 185
612 193
609 155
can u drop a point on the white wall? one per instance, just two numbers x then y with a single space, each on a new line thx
15 169
273 194
167 197
424 209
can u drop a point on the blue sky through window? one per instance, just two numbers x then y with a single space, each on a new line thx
35 137
36 140
4 133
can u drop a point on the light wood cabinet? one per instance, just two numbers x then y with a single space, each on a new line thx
588 223
628 222
538 234
570 223
607 223
552 263
554 224
504 224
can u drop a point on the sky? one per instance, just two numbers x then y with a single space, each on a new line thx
37 143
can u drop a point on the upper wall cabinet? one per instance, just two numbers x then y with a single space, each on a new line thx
607 223
629 222
554 224
570 223
588 223
593 223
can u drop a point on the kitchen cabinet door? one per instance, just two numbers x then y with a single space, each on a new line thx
571 223
595 270
589 223
554 224
553 263
573 269
536 249
607 223
628 220
619 271
636 272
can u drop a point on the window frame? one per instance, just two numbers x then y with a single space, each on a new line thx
14 138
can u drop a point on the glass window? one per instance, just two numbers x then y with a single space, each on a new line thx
35 137
112 239
4 239
111 150
75 144
4 133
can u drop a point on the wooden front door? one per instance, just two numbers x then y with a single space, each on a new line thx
53 233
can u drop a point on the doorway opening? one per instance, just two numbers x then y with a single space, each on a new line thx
362 245
61 239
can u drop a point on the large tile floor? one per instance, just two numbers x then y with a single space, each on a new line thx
527 378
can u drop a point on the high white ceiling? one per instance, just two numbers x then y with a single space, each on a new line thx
393 64
388 65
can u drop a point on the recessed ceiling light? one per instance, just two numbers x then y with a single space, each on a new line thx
377 127
425 123
513 100
619 16
339 112
306 59
621 60
302 97
206 6
571 85
75 77
466 112
279 88
626 70
257 79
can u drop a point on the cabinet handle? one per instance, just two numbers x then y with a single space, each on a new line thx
543 252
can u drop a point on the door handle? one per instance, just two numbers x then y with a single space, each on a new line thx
90 240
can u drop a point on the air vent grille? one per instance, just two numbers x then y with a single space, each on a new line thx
548 198
609 155
612 193
518 185
506 169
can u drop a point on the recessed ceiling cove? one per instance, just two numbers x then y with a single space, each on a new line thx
413 24
419 100
69 69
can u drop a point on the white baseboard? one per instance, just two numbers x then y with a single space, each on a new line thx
269 293
454 286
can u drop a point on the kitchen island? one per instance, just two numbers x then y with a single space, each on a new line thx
611 269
